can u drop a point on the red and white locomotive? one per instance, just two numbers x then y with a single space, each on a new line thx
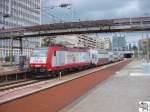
55 59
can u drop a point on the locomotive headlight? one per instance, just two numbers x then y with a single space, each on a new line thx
49 69
44 65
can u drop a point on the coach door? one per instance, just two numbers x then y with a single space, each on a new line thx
58 58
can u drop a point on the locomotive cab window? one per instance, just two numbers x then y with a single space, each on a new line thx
40 52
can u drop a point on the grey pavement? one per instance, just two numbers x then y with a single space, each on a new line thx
120 93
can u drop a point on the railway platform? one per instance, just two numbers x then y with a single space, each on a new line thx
11 73
121 93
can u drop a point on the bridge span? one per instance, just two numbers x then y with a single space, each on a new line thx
80 27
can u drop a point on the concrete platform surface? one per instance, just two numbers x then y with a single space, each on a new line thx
120 93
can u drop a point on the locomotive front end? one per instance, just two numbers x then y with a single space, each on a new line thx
38 59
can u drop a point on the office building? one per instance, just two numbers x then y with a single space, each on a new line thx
103 43
144 46
119 43
84 41
76 41
18 13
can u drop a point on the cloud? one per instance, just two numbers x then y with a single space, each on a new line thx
130 9
100 9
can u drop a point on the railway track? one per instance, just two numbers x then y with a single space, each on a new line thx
7 83
21 83
17 84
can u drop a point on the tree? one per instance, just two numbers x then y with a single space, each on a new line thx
47 42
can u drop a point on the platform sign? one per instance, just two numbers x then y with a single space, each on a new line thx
144 106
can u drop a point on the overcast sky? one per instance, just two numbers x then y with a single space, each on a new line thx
95 9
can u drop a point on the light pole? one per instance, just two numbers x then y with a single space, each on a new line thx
7 14
148 42
148 48
63 4
44 9
3 18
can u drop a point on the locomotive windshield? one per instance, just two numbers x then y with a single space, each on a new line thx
40 52
39 56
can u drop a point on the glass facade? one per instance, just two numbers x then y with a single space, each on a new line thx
17 13
119 43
